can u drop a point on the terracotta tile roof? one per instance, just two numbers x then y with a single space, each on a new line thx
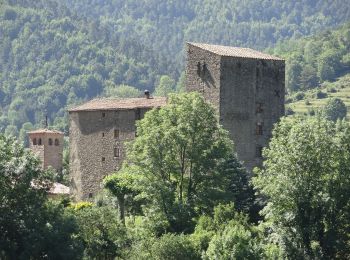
234 51
120 104
45 130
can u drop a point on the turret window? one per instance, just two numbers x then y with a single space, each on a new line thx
57 142
50 141
39 141
34 141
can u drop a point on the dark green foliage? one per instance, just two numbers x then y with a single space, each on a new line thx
307 184
319 94
56 54
334 109
31 228
103 236
167 247
314 60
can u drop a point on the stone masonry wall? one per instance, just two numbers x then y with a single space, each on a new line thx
96 150
248 93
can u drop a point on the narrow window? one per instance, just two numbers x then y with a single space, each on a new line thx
199 68
34 141
116 133
259 107
259 129
39 141
103 114
57 143
103 159
50 141
90 195
258 152
239 65
116 152
103 134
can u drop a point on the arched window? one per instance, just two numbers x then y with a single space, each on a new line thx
34 141
57 143
39 141
50 141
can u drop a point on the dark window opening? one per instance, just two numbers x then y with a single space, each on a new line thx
103 134
204 69
57 142
138 114
90 195
239 65
39 141
103 114
34 141
258 152
116 152
277 93
259 107
50 141
116 133
199 68
259 129
103 159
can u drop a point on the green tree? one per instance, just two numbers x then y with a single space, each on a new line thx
306 181
122 91
165 87
178 153
334 109
104 237
30 228
120 185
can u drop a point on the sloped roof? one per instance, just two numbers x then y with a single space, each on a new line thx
234 51
45 131
120 104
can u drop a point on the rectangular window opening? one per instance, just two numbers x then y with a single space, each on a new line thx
259 129
116 152
116 133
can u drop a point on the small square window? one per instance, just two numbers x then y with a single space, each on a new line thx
103 159
50 141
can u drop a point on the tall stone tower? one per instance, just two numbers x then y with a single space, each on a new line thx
48 145
247 89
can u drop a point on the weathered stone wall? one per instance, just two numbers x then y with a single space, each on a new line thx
49 155
248 93
252 100
92 146
203 74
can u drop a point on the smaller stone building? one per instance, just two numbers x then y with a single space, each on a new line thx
48 146
97 134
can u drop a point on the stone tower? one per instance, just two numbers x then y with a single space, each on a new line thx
48 145
247 89
97 134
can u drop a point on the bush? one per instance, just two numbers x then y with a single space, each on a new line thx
331 90
289 111
334 109
299 96
319 94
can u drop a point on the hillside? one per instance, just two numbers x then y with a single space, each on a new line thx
55 54
308 102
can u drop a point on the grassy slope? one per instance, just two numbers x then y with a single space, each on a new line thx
341 86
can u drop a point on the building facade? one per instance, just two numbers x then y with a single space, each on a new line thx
247 88
98 132
48 146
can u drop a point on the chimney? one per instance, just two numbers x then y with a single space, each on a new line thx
147 94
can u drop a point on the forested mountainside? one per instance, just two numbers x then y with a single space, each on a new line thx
54 54
313 60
